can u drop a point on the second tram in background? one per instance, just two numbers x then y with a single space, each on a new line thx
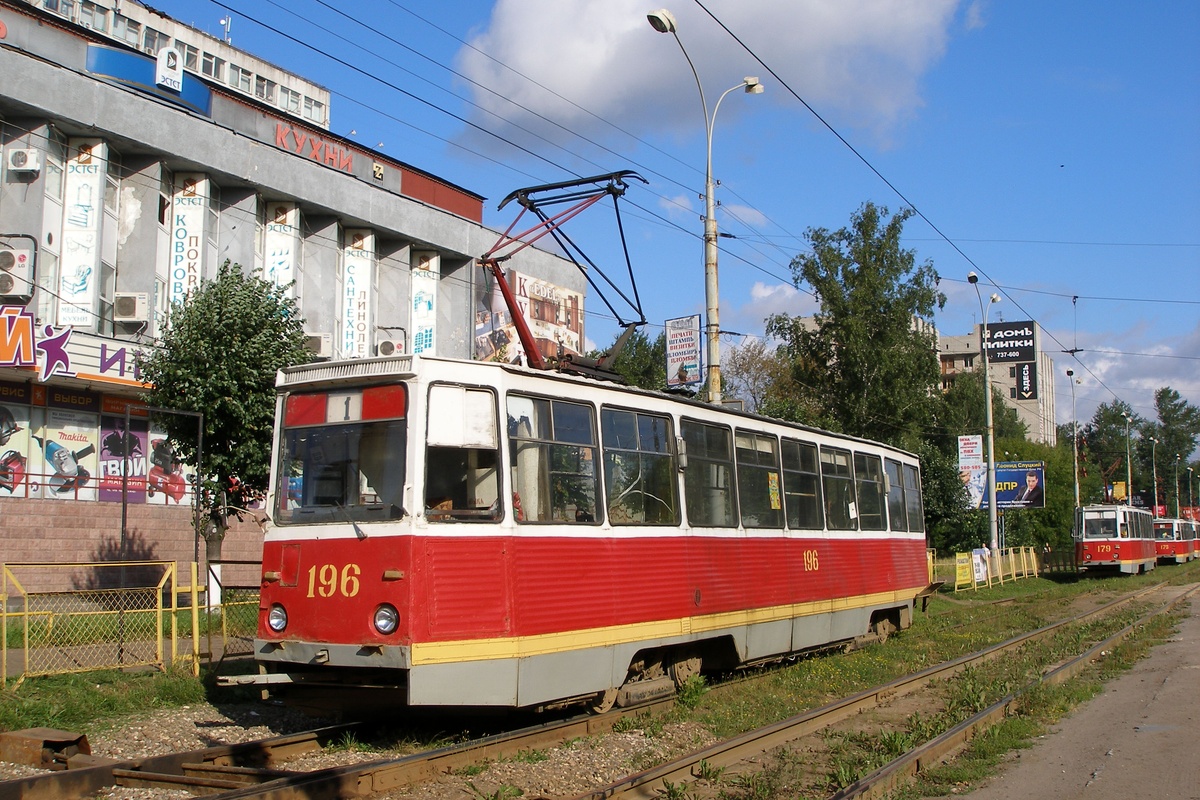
1113 537
1175 540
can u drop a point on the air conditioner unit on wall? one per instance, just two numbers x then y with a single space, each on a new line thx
16 272
24 160
320 344
389 347
131 307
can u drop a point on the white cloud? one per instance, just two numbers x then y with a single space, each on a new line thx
599 61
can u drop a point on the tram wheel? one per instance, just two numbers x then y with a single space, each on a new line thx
683 668
603 701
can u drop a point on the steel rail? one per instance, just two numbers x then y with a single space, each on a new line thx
653 782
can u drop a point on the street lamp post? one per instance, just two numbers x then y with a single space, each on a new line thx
1177 486
993 524
1154 471
1074 435
663 21
1191 503
1128 463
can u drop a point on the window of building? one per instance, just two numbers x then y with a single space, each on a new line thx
191 55
314 110
212 66
1012 392
1012 372
639 468
968 361
802 486
837 481
240 78
554 460
65 8
760 497
708 485
264 89
93 16
126 29
289 100
153 41
868 478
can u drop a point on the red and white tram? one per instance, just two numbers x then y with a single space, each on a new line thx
1114 537
476 534
1175 540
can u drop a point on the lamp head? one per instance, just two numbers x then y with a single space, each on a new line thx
662 20
995 298
752 85
972 278
1070 373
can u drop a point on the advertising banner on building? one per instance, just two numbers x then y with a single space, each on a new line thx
189 212
281 242
83 215
553 313
426 271
1027 381
123 451
683 351
358 286
68 450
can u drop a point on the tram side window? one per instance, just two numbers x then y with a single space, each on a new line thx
912 499
837 480
802 486
639 468
462 476
868 476
897 511
708 480
759 492
553 460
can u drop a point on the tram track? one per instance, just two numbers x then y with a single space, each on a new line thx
258 769
674 778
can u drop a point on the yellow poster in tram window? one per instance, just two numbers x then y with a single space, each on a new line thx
773 484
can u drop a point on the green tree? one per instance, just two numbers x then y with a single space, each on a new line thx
218 355
964 412
1104 445
1176 430
641 362
868 359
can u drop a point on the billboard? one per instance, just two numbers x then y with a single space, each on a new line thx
683 351
1019 484
1010 342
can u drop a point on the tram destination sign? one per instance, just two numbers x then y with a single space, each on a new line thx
1010 342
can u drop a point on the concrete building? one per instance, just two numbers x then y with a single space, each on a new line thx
1022 373
139 154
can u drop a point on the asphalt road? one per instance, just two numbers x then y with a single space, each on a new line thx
1140 738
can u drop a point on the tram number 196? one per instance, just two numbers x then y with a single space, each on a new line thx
810 561
326 581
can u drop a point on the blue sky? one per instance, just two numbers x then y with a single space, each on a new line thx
1057 145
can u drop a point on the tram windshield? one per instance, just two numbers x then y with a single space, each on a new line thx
1100 524
342 456
1165 530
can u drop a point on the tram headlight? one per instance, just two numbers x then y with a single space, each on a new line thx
387 619
277 618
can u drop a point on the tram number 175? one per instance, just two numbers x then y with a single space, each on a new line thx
326 581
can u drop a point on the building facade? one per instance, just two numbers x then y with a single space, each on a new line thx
1020 371
139 154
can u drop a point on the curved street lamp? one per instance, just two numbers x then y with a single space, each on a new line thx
1191 502
993 524
1128 463
663 21
1154 471
1074 435
1177 486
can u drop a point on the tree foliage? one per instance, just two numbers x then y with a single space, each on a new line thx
867 362
642 363
218 355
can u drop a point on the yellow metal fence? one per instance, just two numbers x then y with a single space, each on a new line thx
64 618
